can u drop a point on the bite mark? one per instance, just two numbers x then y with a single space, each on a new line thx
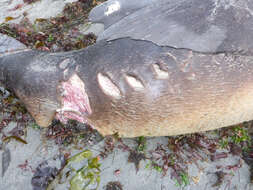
160 74
134 82
107 86
171 56
74 101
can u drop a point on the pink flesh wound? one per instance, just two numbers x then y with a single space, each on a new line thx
74 101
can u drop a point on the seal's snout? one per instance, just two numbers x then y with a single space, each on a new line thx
74 101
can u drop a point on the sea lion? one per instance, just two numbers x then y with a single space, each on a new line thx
141 87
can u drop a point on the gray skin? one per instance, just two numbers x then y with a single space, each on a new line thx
209 26
161 84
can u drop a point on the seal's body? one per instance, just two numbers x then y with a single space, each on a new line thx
134 87
191 70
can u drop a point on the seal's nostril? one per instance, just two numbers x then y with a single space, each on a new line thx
107 86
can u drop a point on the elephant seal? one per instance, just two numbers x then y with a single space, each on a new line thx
139 87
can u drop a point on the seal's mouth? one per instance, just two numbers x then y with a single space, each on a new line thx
74 101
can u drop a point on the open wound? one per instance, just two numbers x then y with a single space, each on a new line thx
74 101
